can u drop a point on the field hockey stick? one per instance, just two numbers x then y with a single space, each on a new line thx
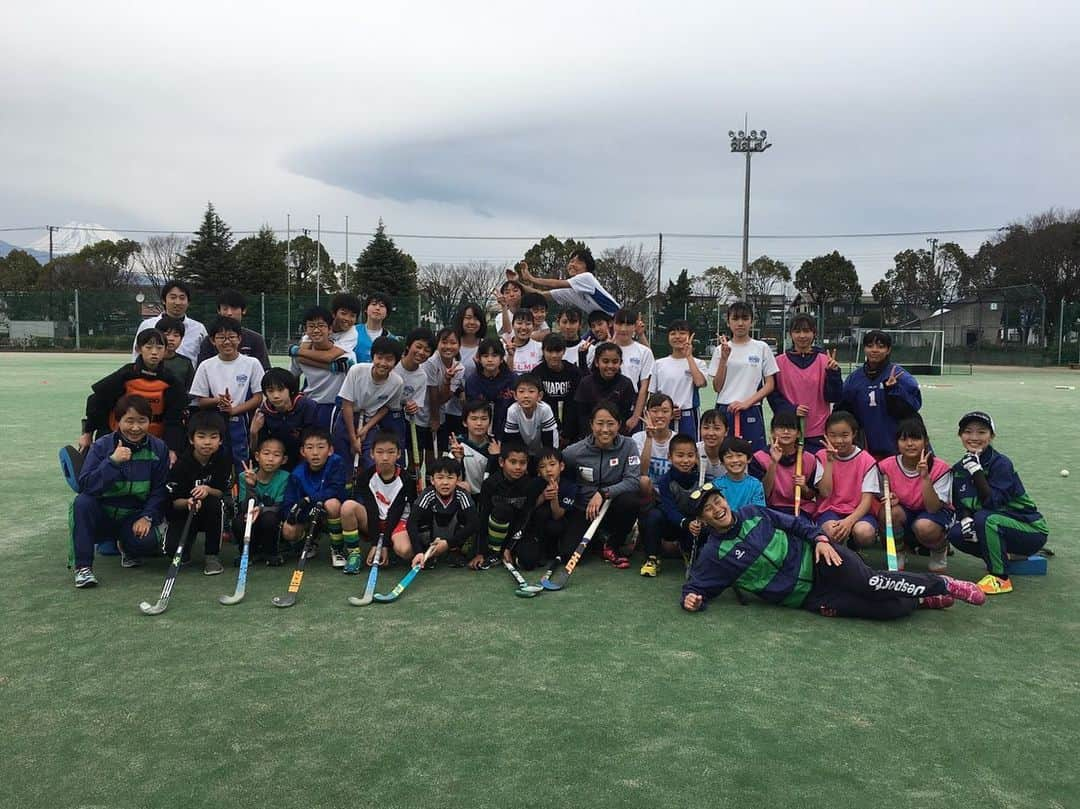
798 467
174 567
369 591
297 579
524 589
558 580
407 578
416 457
890 541
241 579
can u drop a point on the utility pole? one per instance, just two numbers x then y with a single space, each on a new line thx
941 287
659 263
318 258
747 143
346 284
51 229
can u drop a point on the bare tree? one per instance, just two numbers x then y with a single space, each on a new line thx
445 287
628 272
158 256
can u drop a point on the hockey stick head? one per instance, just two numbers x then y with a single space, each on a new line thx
528 591
153 609
286 600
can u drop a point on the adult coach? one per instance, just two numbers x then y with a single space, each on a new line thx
581 290
176 296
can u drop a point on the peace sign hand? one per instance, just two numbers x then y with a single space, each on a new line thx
831 452
832 364
249 473
894 374
725 348
456 449
923 467
775 452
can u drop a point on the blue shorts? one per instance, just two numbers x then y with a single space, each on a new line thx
943 518
324 415
825 516
687 422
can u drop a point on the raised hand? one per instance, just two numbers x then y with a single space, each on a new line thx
725 348
121 454
249 473
456 449
775 452
894 374
584 345
257 422
923 467
494 447
830 451
832 364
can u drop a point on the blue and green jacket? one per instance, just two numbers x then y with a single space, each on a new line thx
997 488
326 484
764 552
135 487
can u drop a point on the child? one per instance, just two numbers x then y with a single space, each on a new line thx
470 326
345 309
319 479
652 444
176 296
879 395
776 468
506 501
199 479
231 384
121 490
146 377
265 481
789 561
570 327
443 515
376 309
713 431
808 380
680 375
601 327
446 380
739 488
544 532
523 353
637 364
996 516
475 451
536 304
380 505
667 527
509 299
322 362
419 343
177 364
231 303
743 371
284 414
530 418
846 479
605 382
581 289
921 488
493 382
560 380
369 392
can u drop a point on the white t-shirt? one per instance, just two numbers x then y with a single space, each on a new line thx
436 375
320 384
585 293
366 394
672 376
242 377
385 493
658 457
414 388
747 367
194 334
345 340
530 427
468 358
528 357
712 470
637 361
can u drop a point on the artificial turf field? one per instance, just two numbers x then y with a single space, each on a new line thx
460 695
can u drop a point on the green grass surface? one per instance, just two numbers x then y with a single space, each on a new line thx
460 695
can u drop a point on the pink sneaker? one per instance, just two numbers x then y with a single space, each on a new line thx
936 602
965 591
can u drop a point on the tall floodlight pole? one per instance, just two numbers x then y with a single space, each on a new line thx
747 143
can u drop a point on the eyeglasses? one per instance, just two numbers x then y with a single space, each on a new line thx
226 338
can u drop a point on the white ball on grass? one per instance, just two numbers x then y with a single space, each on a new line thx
1064 473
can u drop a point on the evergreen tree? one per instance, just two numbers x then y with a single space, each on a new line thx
18 271
381 267
260 263
548 257
208 262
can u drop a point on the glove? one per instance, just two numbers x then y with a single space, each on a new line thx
971 464
294 350
967 528
341 365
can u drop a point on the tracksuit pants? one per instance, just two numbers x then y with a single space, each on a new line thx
996 536
92 522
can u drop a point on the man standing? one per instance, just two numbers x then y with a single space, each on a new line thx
176 295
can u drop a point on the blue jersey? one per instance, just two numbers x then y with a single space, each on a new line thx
327 483
1006 492
363 342
878 408
739 493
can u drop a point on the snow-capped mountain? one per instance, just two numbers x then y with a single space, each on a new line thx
73 237
6 248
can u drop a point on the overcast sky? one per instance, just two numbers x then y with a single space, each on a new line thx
519 119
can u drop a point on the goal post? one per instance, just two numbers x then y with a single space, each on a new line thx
921 351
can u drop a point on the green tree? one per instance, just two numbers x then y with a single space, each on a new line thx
548 257
829 278
764 277
883 294
309 262
208 262
102 265
628 273
18 271
382 267
260 263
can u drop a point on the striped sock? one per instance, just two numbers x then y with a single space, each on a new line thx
333 525
352 539
497 534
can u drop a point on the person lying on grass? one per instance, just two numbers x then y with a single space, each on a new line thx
789 561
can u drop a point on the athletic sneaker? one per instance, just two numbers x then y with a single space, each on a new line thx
936 602
84 577
966 591
337 555
354 563
312 551
939 561
489 562
651 567
614 559
127 559
275 560
991 585
212 565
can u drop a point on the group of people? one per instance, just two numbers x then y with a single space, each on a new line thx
473 449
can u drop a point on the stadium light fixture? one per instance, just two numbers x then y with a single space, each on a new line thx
747 143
